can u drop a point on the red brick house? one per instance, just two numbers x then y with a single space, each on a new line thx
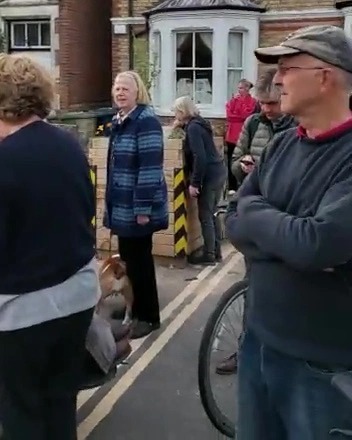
85 43
71 38
183 35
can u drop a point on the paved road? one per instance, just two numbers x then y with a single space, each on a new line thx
155 396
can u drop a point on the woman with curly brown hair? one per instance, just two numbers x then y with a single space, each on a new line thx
48 280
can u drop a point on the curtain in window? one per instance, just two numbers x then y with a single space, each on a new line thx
235 50
207 39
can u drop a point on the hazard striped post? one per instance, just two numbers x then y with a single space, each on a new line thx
180 213
93 176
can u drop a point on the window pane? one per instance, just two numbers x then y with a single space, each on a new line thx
184 83
235 50
184 48
32 36
204 87
233 78
45 34
204 49
19 35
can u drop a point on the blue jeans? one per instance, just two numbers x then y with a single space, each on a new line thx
283 398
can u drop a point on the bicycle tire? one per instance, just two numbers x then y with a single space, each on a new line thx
219 420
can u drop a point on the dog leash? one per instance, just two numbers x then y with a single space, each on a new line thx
110 243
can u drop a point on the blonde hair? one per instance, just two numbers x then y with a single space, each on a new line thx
142 92
26 89
186 105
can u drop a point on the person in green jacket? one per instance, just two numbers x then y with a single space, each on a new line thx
259 128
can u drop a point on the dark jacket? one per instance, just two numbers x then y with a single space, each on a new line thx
203 162
292 219
135 177
47 206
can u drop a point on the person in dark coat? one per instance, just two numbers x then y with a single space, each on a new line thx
48 271
206 173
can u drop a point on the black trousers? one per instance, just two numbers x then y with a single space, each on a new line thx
39 373
231 179
136 252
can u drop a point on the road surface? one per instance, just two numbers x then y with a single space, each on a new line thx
155 396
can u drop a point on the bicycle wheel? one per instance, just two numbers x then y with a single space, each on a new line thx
214 333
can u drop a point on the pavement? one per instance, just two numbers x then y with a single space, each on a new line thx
155 396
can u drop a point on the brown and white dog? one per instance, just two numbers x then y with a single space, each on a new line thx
114 281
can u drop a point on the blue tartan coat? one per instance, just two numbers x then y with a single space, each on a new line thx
135 177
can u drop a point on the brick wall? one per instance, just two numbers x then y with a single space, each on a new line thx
85 53
280 5
120 43
274 32
163 241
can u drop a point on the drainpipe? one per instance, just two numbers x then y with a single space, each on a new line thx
130 36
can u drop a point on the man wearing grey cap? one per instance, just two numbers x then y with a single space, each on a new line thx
293 219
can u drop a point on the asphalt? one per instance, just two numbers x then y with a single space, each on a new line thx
155 396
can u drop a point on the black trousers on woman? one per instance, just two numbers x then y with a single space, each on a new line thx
136 252
40 369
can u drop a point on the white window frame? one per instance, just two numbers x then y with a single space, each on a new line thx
193 68
13 46
219 23
235 69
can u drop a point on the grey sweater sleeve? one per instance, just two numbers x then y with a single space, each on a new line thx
311 243
236 229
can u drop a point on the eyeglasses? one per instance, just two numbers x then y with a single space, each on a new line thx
284 69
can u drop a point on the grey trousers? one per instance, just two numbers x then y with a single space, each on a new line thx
208 201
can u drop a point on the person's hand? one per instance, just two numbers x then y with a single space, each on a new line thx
177 124
193 191
143 219
247 164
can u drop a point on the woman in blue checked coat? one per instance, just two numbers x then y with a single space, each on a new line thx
136 194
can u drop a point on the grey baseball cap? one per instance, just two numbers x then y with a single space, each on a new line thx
326 43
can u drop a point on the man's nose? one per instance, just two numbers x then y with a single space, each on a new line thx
277 80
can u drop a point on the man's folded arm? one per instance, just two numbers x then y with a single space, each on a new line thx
235 227
307 243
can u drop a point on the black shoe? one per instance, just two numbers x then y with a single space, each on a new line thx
218 258
207 259
140 329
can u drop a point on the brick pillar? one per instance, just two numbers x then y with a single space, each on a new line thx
85 53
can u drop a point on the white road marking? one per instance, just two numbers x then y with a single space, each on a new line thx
165 314
105 406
